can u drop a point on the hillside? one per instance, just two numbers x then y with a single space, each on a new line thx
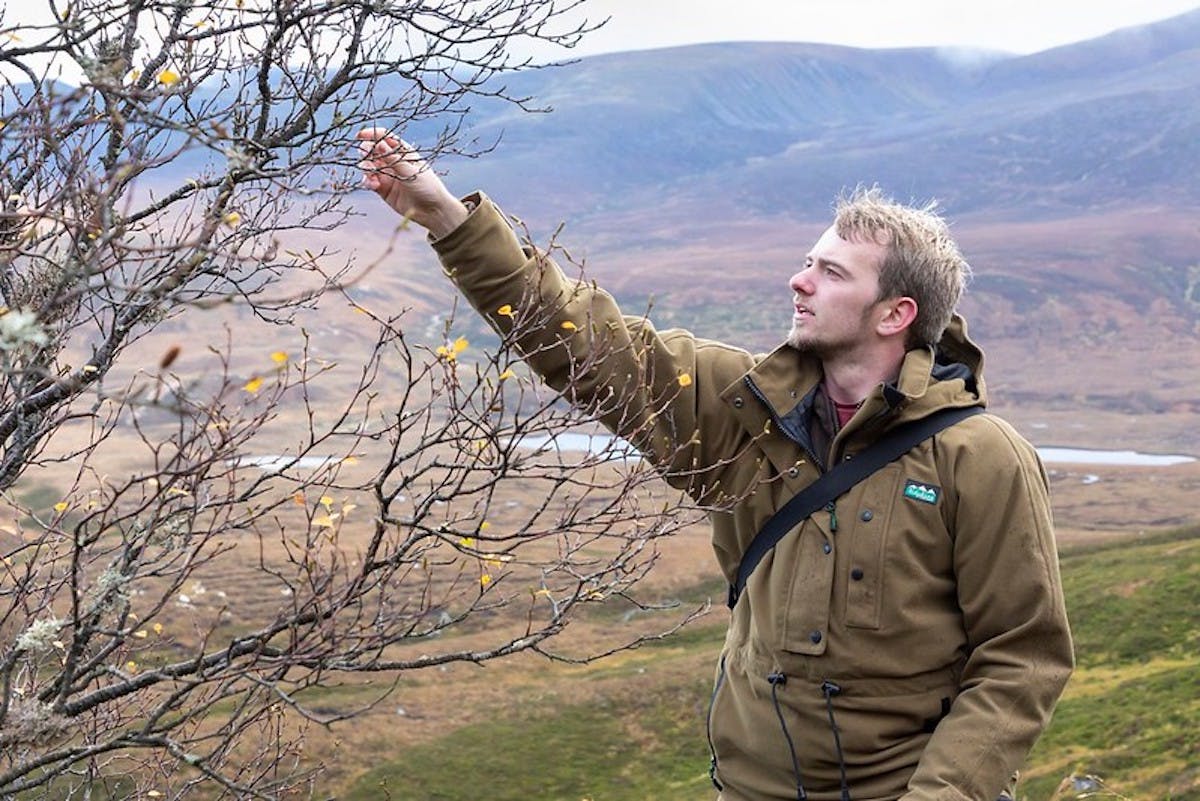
632 727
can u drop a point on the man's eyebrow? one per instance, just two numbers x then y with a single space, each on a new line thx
831 262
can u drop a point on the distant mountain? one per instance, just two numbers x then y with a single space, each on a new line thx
1123 51
699 175
1109 122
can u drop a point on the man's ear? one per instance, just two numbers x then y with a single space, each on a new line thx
898 314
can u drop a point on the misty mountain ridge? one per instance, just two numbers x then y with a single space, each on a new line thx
1109 122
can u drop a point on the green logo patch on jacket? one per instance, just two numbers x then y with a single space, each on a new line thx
918 491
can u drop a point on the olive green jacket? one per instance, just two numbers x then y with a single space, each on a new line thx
913 636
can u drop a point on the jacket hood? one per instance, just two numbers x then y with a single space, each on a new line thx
947 375
955 347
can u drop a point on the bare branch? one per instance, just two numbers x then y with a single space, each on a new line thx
206 537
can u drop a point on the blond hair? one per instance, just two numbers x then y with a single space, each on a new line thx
922 260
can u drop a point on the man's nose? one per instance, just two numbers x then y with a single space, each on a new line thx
802 281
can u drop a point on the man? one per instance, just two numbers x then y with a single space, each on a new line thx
910 640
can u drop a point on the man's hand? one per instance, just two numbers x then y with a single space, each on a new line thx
406 183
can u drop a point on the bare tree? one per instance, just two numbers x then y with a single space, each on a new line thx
191 552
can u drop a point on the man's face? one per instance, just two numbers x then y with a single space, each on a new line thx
835 296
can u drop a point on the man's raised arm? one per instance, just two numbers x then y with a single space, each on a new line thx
652 388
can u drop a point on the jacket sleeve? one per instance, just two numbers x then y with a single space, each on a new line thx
657 390
1010 593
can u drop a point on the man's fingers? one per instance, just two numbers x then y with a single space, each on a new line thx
379 148
382 162
383 153
380 142
395 171
374 135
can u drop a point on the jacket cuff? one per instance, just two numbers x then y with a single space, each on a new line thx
484 242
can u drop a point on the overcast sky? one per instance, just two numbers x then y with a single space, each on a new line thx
1020 26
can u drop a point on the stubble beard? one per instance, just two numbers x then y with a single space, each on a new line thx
796 339
823 349
803 342
820 350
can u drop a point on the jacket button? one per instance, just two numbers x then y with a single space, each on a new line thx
738 403
815 637
856 574
867 515
826 547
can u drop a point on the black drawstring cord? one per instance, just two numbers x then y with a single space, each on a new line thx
775 679
829 689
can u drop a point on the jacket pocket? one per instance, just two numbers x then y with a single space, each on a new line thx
798 589
892 728
865 540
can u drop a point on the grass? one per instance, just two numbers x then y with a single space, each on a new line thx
1130 712
637 730
636 742
1136 606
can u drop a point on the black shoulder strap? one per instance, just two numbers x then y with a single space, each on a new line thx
891 446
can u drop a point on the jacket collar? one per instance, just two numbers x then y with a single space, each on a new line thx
786 379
